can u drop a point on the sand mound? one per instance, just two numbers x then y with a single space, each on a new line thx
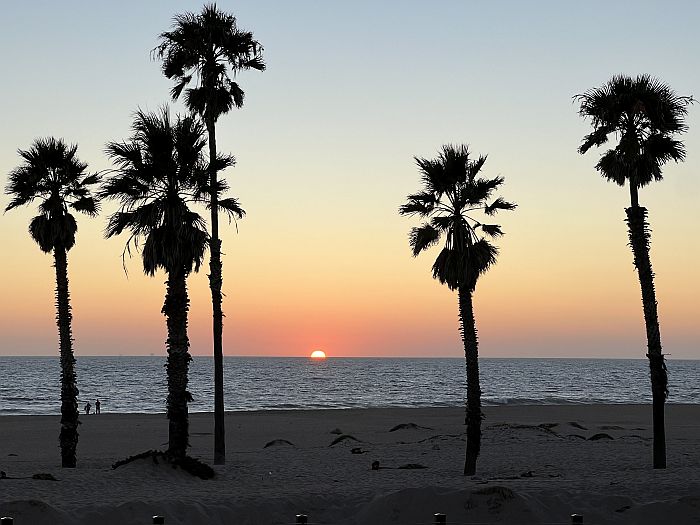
154 462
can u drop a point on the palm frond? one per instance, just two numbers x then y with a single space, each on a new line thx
449 267
41 231
475 166
182 82
498 204
420 203
224 161
480 190
444 223
232 208
235 93
422 238
196 100
87 205
658 149
492 230
597 137
614 167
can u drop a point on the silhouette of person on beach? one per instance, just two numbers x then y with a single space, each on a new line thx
88 406
97 406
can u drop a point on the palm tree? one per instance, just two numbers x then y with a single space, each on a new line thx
207 45
644 115
53 174
451 195
161 171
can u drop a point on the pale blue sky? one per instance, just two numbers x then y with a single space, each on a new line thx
325 143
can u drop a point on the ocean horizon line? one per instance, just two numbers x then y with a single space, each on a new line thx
331 357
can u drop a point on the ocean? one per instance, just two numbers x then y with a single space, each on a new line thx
30 385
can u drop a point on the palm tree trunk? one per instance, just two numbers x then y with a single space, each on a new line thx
215 283
68 437
175 309
639 236
471 353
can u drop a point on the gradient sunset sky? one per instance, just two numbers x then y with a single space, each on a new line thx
325 147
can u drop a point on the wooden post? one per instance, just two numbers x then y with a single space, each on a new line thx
440 519
302 519
6 521
577 519
158 520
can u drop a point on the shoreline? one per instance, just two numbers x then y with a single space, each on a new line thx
285 410
538 465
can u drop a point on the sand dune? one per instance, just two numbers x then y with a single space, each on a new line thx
538 465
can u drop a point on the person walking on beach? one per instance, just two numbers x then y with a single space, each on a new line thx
88 406
97 406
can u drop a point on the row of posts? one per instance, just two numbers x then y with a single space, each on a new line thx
303 519
441 519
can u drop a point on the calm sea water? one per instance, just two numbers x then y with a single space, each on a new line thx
30 385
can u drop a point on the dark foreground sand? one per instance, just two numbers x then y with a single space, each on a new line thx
538 465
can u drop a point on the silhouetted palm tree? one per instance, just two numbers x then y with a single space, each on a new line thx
451 195
161 171
644 114
53 174
207 45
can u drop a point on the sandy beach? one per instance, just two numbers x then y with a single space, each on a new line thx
539 464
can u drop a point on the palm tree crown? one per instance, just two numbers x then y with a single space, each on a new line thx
644 114
207 45
52 173
161 171
451 195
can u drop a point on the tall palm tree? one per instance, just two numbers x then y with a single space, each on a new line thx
644 115
450 197
207 45
53 174
160 172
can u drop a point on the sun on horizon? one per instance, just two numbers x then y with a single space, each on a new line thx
318 354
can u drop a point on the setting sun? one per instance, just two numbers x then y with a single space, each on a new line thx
318 354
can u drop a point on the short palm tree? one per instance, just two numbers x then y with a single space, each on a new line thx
450 197
53 174
644 115
207 45
160 171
